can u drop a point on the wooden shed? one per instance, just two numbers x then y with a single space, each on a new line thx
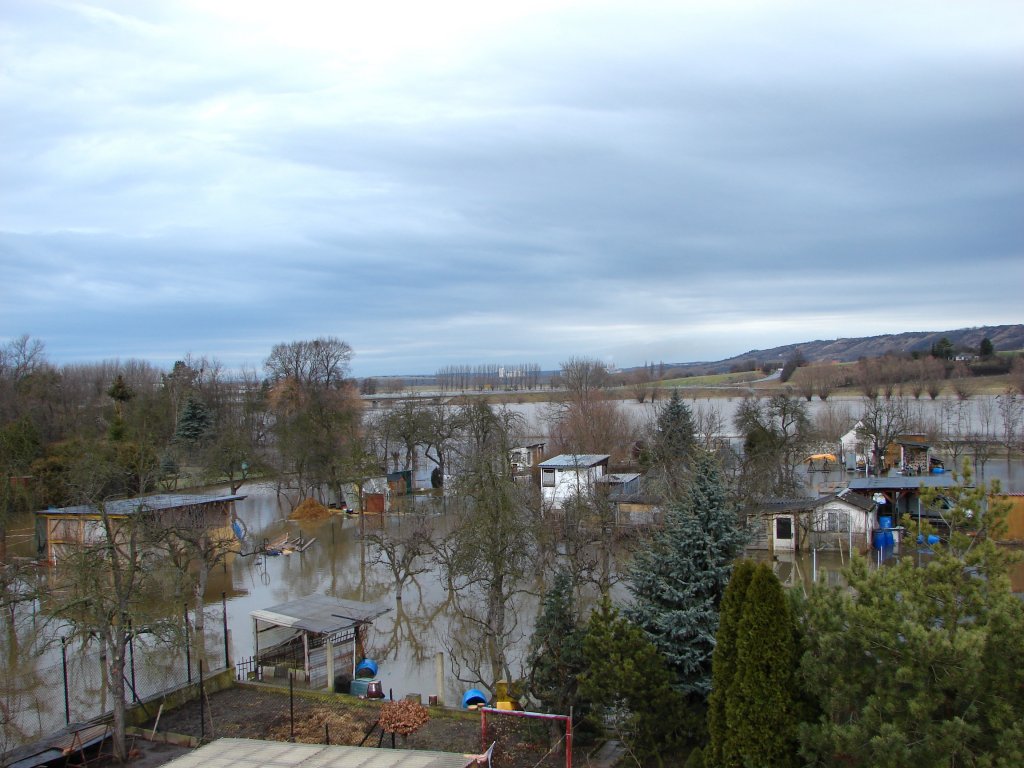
60 528
316 639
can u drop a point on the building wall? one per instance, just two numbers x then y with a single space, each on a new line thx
568 482
1015 518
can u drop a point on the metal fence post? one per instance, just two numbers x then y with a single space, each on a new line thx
227 639
291 704
202 705
64 663
131 658
188 649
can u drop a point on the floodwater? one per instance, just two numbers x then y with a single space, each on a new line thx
406 640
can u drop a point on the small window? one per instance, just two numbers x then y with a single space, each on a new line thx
784 528
547 478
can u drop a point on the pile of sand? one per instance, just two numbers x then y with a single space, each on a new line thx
310 509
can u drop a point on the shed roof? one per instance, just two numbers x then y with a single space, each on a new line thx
575 460
157 503
246 753
320 614
901 482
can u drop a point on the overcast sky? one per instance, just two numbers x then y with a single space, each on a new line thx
465 182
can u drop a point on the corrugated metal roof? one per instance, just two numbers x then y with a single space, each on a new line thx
320 614
243 753
575 460
902 482
158 503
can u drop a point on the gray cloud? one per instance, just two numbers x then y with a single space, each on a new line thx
645 181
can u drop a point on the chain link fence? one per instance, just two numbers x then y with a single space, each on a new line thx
42 693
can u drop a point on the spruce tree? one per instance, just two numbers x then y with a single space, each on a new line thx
675 436
556 649
678 583
628 687
195 422
723 663
760 719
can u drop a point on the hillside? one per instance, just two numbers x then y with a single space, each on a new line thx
1004 337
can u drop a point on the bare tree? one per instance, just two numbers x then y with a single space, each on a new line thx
640 384
490 549
881 423
110 590
583 377
963 381
405 551
1011 412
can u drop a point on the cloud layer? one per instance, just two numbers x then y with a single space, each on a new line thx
458 183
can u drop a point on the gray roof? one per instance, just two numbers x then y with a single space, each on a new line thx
252 753
576 460
902 482
158 503
320 614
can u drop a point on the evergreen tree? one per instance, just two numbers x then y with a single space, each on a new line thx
195 423
556 649
723 663
675 436
922 665
678 582
629 688
760 713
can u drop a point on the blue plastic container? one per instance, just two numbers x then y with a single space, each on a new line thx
473 697
366 668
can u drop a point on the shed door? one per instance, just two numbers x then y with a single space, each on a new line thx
784 528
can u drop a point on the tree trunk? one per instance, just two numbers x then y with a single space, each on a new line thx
116 642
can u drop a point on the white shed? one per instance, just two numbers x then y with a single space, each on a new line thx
570 474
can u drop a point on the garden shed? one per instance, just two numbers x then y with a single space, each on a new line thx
316 639
59 529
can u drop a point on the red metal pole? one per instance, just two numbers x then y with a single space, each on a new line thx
568 741
483 730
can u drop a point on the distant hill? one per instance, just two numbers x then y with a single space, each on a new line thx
1003 337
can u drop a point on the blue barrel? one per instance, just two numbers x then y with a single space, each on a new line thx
473 697
366 668
883 537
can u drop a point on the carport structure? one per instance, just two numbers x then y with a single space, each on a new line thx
315 638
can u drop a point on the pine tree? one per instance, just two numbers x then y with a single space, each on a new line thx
723 664
678 583
922 665
759 710
629 688
556 649
195 423
675 435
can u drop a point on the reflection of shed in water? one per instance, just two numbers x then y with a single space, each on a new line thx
316 638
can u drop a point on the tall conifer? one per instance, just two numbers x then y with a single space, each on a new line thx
760 714
723 664
678 583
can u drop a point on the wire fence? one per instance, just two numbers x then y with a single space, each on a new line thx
285 710
43 694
